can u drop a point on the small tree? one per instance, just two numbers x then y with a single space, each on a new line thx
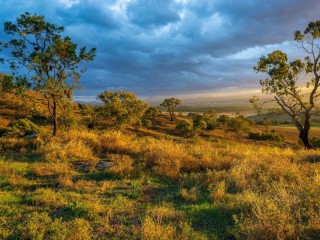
266 123
237 125
256 104
50 61
122 108
171 104
284 75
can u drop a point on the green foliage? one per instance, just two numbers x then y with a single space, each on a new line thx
6 83
266 136
199 122
206 121
67 113
21 127
237 125
256 104
147 123
283 79
171 104
223 120
185 128
11 84
122 108
151 112
50 60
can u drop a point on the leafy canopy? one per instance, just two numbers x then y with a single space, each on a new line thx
122 108
49 61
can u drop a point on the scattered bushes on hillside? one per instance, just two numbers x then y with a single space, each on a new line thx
266 136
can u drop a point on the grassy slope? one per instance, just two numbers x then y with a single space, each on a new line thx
216 187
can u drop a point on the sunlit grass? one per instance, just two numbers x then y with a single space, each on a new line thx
157 188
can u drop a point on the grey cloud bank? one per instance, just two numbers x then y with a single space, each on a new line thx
173 47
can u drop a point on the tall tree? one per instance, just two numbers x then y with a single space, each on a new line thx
50 61
283 80
171 104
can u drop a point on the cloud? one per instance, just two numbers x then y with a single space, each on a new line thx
165 47
147 13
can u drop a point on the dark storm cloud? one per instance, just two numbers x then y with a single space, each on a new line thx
163 47
153 12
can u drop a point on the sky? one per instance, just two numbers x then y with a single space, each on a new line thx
173 48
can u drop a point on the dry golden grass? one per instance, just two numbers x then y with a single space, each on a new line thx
52 168
268 192
121 165
59 149
189 195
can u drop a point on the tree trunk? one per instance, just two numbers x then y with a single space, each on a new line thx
303 130
304 133
304 136
55 119
171 116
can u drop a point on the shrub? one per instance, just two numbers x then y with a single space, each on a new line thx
22 127
266 136
185 128
237 125
223 119
151 112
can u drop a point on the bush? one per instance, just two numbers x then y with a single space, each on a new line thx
21 127
223 120
185 128
237 125
266 136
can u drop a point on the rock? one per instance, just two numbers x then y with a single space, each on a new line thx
104 164
82 166
32 136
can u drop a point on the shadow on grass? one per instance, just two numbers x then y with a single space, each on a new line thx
212 219
98 176
28 158
313 158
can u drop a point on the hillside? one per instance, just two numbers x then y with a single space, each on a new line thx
151 183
